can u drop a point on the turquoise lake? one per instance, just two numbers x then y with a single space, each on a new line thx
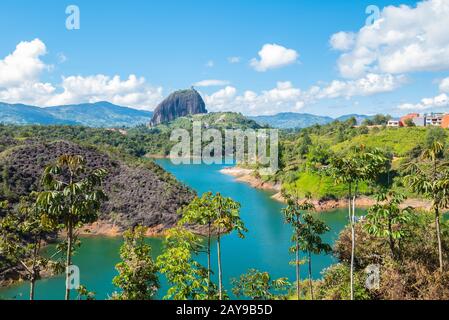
266 246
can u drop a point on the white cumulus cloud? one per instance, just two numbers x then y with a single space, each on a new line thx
211 83
284 97
20 74
34 93
221 99
444 85
342 41
132 91
366 86
439 101
273 56
404 39
24 64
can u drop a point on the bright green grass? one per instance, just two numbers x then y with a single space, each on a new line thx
397 140
319 186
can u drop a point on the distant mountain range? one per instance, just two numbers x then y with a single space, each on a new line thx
358 117
292 120
108 115
100 114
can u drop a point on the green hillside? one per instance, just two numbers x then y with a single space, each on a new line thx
396 140
216 120
306 155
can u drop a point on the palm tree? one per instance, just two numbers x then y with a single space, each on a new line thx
71 197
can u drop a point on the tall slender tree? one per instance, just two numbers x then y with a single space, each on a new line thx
188 278
292 214
359 165
71 197
387 219
201 212
430 177
227 220
311 242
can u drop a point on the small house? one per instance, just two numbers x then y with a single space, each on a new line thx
394 123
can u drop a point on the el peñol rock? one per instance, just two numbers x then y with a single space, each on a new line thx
178 104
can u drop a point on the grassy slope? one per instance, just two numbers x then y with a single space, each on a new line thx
397 140
320 187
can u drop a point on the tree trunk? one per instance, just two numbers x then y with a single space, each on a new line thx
297 271
349 202
310 276
34 271
32 286
352 257
350 223
208 258
440 251
220 283
391 240
68 258
353 242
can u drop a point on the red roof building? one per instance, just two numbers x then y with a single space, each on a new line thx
410 116
445 121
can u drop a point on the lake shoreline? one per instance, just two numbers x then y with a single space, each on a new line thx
16 275
247 176
110 230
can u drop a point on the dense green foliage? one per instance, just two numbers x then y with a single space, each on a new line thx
71 198
137 273
23 233
189 280
258 285
305 155
136 141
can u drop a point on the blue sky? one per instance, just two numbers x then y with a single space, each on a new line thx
171 45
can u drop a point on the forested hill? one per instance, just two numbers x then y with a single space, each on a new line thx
139 191
306 154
